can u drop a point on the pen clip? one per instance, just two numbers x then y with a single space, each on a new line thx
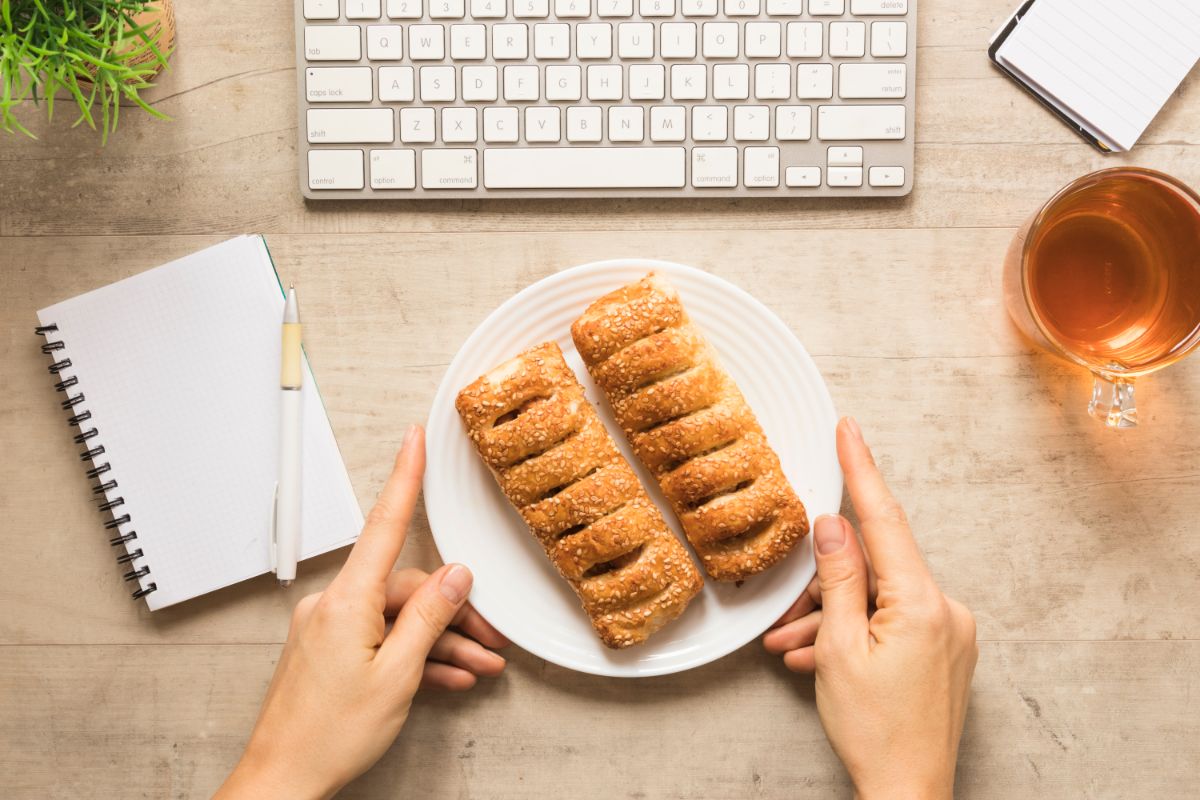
274 528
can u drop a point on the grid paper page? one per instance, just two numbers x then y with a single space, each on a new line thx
180 369
1109 64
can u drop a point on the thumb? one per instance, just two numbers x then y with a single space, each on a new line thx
426 615
842 574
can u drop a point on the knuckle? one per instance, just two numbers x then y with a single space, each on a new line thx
381 513
890 510
431 619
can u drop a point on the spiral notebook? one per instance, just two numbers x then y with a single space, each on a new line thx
170 380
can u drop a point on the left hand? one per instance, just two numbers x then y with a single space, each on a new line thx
345 682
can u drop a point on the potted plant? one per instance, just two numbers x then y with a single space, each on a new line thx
97 52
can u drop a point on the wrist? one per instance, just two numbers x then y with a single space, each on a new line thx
901 787
262 775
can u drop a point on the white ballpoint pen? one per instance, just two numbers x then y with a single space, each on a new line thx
286 534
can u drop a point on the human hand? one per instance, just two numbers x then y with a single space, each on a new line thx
345 682
891 686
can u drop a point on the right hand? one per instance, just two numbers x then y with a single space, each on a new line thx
891 686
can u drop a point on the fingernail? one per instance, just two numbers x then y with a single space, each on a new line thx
829 534
852 426
456 582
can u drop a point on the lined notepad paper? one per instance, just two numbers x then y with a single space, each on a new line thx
179 368
1109 65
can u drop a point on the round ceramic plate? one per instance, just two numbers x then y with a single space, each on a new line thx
516 587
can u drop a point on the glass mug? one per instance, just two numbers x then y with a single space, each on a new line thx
1107 275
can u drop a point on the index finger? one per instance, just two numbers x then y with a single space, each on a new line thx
889 541
378 546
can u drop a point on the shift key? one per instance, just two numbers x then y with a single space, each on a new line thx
340 125
847 123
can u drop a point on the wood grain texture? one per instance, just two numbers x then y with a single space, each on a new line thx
1077 548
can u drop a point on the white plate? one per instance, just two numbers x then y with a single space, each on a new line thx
516 587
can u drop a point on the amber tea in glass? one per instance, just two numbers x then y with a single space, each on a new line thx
1107 274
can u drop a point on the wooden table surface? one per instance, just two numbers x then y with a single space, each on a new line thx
1076 547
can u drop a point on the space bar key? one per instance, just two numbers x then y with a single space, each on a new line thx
584 168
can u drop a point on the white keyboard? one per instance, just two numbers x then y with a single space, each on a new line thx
606 98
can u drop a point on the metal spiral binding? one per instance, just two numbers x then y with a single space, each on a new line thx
73 398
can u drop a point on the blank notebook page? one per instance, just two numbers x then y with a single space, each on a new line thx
179 367
1111 65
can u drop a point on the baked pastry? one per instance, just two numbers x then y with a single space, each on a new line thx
555 461
691 427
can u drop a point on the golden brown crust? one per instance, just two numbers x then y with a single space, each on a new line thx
690 425
556 463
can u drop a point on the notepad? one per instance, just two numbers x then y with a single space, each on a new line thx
171 378
1106 66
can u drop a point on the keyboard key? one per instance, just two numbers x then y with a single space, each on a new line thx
699 8
396 84
447 9
551 40
510 42
542 124
385 42
500 124
479 84
885 176
731 82
404 9
762 39
760 167
584 123
841 123
416 125
636 40
826 8
338 84
741 8
593 40
584 168
336 125
362 9
604 82
802 176
844 176
871 81
889 39
845 156
714 167
804 40
847 39
784 8
614 8
667 123
531 9
332 42
426 42
321 9
459 125
710 123
437 84
564 82
751 123
449 169
678 39
625 123
335 169
657 8
393 169
468 42
521 83
866 8
689 82
489 9
569 9
772 81
647 82
793 123
814 81
720 40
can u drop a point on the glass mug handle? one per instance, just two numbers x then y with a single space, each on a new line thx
1112 397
